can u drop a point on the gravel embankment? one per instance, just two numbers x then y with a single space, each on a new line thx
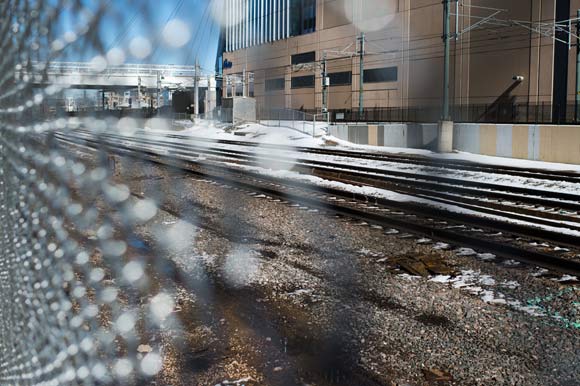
287 296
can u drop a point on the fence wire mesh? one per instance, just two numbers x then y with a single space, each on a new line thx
77 299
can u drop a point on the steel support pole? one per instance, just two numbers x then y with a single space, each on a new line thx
139 92
361 76
324 86
446 38
158 90
577 97
196 90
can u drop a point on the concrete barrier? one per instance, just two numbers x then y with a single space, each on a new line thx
412 135
550 143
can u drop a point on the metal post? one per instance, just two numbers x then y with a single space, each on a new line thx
446 38
325 85
158 89
314 126
456 20
196 90
139 92
577 105
244 82
361 75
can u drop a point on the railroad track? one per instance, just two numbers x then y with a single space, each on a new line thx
568 176
515 241
542 207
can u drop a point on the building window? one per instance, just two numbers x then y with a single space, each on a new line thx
302 17
239 89
307 57
275 84
377 75
303 81
251 85
341 78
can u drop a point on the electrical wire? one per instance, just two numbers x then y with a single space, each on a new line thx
204 18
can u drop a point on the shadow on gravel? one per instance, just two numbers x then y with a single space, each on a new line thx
431 319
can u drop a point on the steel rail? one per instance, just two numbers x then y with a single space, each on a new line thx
555 175
507 211
223 174
527 195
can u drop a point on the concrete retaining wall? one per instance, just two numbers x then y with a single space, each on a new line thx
549 143
413 135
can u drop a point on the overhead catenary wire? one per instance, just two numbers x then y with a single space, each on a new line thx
158 39
205 17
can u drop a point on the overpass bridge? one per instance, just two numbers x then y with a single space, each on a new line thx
83 75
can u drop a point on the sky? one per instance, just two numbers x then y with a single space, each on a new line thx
126 22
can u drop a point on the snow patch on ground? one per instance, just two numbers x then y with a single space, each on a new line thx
482 285
389 195
253 132
264 133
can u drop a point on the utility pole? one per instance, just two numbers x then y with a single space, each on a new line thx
158 90
139 92
361 76
446 38
196 90
577 105
445 127
325 84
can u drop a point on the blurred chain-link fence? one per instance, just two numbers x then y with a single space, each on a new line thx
76 297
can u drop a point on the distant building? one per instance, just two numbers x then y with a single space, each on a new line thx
273 50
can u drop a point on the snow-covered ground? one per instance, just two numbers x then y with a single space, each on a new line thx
294 137
394 196
286 136
279 163
302 135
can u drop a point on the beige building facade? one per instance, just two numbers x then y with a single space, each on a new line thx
493 64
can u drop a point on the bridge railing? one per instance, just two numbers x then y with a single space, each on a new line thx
126 69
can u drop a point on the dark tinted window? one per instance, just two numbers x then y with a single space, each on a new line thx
302 17
239 89
303 81
340 78
307 57
308 16
376 75
275 84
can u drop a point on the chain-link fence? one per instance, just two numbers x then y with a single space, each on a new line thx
83 299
